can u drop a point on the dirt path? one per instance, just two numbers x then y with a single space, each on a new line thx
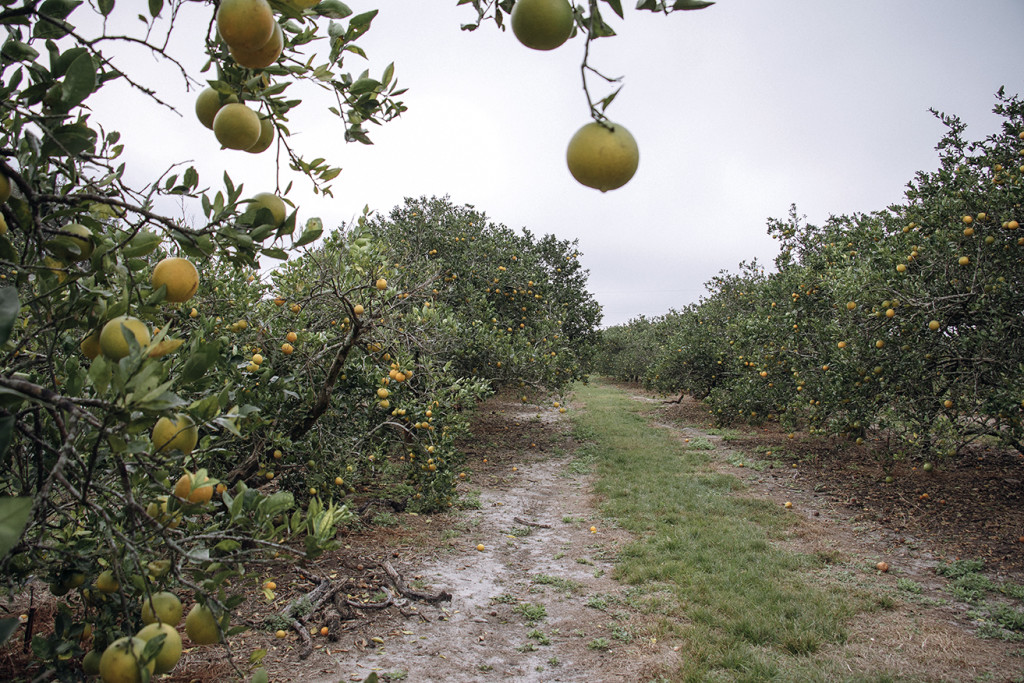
536 604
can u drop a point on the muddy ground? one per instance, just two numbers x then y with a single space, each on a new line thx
538 603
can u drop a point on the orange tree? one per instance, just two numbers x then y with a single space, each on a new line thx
527 316
118 439
899 325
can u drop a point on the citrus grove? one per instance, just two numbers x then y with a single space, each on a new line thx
195 376
902 326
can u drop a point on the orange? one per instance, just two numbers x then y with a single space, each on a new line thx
263 56
180 277
245 24
112 340
542 24
237 126
604 158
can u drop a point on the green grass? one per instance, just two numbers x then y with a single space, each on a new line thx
741 608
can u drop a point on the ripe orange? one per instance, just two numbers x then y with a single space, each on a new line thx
179 434
183 489
933 325
602 158
245 24
180 277
112 341
237 126
882 566
208 103
275 205
382 284
201 626
170 651
266 137
291 337
542 24
120 661
263 56
287 349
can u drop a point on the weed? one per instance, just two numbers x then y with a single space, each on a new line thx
553 662
485 668
909 585
527 647
622 633
954 570
597 602
520 531
399 675
599 644
385 518
1013 590
539 636
700 443
1009 618
971 587
569 519
564 585
531 612
584 560
505 599
470 501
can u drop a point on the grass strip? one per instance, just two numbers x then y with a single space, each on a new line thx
742 608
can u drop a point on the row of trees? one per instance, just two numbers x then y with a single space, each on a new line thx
906 324
234 419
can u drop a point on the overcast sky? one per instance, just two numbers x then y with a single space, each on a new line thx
739 110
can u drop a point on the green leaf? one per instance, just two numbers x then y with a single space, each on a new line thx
9 308
333 9
7 629
691 4
106 7
616 6
80 81
70 140
199 362
14 513
17 51
154 7
274 252
142 244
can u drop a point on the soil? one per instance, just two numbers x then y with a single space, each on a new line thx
546 544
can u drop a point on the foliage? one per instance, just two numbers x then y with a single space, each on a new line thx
903 325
